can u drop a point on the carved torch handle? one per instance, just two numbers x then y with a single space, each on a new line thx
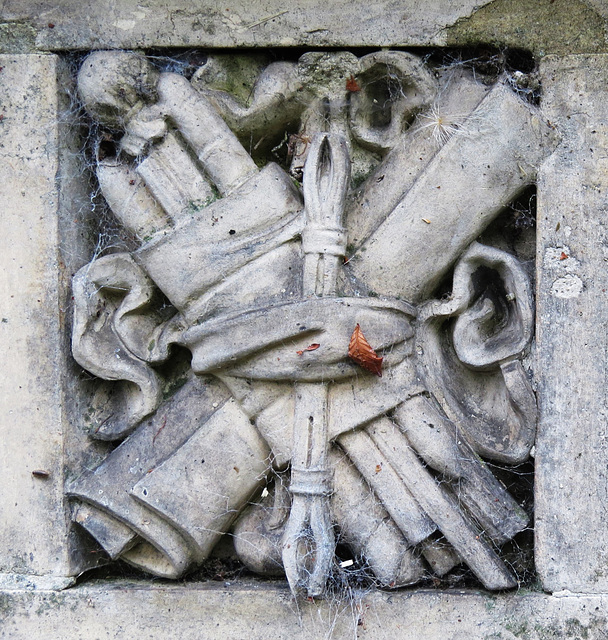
308 544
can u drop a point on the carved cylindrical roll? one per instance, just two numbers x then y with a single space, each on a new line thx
223 156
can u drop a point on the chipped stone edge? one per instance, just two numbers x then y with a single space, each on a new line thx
212 610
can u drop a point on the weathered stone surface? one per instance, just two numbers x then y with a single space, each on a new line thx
32 340
542 26
572 446
66 24
211 610
571 484
463 187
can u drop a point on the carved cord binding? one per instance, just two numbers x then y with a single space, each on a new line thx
326 178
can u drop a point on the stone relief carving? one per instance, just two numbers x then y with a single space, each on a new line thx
275 434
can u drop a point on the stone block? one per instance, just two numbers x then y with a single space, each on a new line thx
224 609
572 330
31 331
45 227
68 25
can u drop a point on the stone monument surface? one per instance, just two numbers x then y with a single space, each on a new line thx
312 335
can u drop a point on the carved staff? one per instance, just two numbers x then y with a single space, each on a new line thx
308 543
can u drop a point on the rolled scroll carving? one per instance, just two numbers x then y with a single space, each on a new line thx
275 435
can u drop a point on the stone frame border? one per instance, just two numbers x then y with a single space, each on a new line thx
40 187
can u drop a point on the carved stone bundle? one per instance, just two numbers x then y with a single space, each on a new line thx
257 270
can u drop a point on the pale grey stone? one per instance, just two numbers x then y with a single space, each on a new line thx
505 429
108 490
33 420
368 205
240 23
246 610
155 530
571 448
483 165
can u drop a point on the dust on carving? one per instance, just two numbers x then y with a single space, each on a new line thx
360 350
